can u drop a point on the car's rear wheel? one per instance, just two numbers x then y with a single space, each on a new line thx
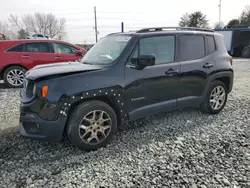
245 53
13 76
215 99
91 125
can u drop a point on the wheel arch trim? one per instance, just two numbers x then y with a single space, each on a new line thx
112 96
228 74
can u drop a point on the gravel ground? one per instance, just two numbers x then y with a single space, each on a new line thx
178 149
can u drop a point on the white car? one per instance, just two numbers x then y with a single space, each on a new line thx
38 36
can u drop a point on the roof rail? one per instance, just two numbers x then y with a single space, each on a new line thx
152 29
113 33
121 32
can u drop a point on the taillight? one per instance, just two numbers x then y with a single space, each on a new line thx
45 90
231 61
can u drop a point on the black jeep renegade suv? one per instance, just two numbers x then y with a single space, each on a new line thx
124 77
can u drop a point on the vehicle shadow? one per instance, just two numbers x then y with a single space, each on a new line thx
129 138
2 85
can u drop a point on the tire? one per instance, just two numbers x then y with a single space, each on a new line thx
207 106
245 53
91 130
11 71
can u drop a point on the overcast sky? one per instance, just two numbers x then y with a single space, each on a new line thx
110 13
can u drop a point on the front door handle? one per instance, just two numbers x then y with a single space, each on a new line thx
208 65
25 56
57 57
171 72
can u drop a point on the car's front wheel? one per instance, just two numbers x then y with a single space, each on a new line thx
215 99
91 125
13 76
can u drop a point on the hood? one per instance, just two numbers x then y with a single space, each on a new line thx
54 69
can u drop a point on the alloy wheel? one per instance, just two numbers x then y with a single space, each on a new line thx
15 77
95 127
217 97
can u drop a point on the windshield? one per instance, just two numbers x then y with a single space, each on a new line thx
106 50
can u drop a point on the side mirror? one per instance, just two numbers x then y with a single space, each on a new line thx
144 60
78 52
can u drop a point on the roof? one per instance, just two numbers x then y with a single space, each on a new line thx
37 40
40 40
159 30
234 29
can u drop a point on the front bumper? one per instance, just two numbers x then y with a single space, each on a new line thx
32 126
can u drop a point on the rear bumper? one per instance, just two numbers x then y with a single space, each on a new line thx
32 126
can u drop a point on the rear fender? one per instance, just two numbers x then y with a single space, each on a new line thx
215 76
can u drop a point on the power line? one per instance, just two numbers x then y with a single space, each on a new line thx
116 26
103 12
88 8
65 11
104 18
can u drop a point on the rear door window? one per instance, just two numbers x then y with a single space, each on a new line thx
192 47
38 47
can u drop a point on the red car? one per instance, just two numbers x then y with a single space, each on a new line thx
18 56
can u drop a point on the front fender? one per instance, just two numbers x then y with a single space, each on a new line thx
73 89
113 96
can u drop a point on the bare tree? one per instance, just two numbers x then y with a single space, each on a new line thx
5 28
15 22
46 24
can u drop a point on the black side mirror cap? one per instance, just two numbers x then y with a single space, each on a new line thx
144 60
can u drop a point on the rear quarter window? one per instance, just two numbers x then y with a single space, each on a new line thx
18 48
211 44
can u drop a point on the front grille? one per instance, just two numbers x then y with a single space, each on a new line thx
30 89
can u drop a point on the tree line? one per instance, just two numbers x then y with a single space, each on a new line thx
19 27
49 25
198 19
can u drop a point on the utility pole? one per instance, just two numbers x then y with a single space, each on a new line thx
122 27
220 14
96 32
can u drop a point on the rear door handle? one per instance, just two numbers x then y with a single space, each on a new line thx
57 57
171 72
208 65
